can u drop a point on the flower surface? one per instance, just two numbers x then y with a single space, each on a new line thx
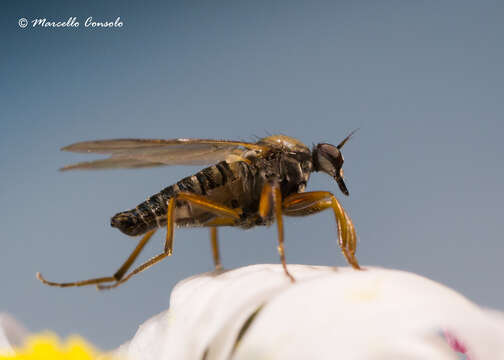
255 312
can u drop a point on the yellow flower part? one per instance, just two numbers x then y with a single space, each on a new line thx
49 347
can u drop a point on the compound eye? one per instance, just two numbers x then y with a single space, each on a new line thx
325 164
330 158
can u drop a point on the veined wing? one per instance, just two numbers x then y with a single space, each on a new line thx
138 153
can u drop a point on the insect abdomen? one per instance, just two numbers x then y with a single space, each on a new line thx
152 213
145 216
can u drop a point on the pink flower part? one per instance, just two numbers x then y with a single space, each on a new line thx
455 343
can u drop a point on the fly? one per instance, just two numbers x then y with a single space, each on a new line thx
250 184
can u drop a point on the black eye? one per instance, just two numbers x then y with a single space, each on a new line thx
329 158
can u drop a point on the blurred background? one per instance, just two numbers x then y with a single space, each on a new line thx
423 81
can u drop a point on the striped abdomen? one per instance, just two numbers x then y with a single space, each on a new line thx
152 213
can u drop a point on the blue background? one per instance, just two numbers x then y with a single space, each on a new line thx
423 81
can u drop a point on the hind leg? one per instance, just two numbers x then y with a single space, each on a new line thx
215 248
217 209
118 274
214 241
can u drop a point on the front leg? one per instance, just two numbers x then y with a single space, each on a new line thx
303 204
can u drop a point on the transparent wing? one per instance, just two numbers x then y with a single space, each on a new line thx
138 153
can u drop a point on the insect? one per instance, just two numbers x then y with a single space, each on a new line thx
250 184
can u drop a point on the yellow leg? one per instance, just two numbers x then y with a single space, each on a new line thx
198 200
271 200
303 204
215 248
140 268
168 249
118 274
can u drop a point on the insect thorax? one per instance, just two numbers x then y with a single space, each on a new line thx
291 169
291 162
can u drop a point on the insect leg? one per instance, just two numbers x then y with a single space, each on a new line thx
215 247
140 268
303 204
271 200
169 227
225 216
118 274
211 206
213 224
195 199
168 249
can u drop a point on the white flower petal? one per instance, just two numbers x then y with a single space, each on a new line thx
328 313
12 334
